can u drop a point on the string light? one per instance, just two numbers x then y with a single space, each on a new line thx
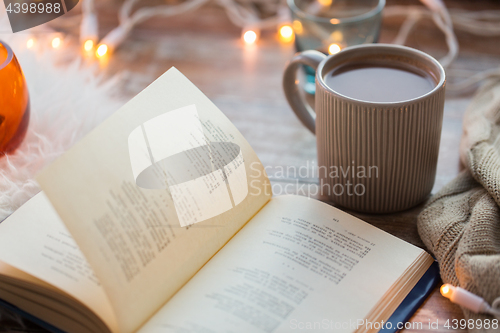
446 290
286 33
239 14
56 42
101 51
334 48
469 300
89 26
30 43
337 36
297 27
325 3
88 45
249 37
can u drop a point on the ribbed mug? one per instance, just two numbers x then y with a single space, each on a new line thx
375 157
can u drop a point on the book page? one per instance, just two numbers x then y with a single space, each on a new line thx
154 192
298 264
34 240
15 273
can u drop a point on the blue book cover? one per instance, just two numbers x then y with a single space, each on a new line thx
413 300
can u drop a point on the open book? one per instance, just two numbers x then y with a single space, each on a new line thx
161 220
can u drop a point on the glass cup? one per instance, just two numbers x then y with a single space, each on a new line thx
329 26
14 101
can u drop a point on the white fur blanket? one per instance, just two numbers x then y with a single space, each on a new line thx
67 101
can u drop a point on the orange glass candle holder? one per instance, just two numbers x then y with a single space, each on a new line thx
14 101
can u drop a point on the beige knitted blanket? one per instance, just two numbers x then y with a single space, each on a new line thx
461 224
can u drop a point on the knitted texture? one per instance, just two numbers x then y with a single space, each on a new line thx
460 225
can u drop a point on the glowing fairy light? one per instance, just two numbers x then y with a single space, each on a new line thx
467 299
337 36
30 43
297 27
446 290
286 31
334 48
56 42
101 50
88 45
249 37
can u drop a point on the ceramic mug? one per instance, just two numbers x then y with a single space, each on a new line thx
376 157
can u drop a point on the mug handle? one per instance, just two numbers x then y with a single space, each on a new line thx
302 109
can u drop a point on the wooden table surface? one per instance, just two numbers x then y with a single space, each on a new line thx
245 83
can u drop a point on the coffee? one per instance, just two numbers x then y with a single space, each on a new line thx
390 123
379 82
